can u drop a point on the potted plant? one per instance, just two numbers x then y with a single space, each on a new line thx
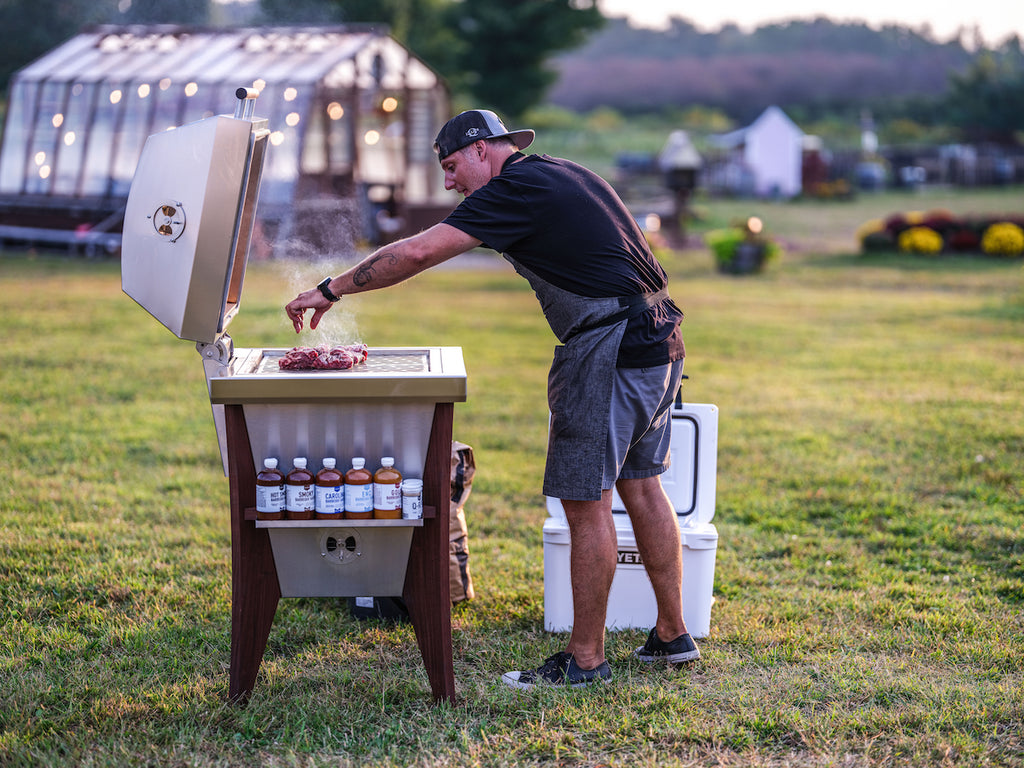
742 248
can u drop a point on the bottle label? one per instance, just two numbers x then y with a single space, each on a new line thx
358 498
387 496
330 500
300 498
412 507
270 498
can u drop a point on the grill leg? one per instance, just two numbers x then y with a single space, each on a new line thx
254 586
427 591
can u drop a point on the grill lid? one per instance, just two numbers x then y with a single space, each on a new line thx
189 219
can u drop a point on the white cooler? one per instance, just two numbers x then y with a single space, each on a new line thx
690 484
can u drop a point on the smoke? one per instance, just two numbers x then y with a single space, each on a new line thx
340 324
320 241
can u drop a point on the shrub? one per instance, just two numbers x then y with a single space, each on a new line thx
896 223
1004 239
941 221
723 242
963 239
877 241
726 243
920 239
874 236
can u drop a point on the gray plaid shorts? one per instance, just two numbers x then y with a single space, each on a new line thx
640 427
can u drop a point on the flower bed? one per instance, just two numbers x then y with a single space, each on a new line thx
939 231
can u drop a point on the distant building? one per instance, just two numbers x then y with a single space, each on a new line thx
764 159
352 115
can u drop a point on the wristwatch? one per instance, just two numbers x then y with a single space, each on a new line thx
327 291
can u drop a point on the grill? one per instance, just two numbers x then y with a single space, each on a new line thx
188 224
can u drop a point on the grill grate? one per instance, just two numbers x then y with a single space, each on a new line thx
379 361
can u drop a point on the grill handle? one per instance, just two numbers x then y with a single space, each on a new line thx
246 106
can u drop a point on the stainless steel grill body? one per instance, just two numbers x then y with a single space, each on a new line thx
188 225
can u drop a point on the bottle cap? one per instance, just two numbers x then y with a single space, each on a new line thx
358 463
412 485
300 463
387 461
329 463
270 463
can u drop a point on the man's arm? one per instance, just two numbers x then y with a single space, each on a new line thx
385 267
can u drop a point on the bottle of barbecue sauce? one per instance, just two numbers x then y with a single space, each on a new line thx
300 492
358 491
330 492
387 491
269 491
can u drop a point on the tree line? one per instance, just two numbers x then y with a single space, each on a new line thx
811 68
516 56
495 52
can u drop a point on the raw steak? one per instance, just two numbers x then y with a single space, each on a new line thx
337 357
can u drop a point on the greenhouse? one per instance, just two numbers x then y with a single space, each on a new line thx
352 115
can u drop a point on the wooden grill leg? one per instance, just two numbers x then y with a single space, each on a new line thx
427 591
255 591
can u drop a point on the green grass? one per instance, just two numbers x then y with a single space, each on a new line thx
869 580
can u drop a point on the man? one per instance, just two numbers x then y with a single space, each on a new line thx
611 384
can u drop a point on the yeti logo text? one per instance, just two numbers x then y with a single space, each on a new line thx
625 557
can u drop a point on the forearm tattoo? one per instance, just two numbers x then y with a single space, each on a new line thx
365 273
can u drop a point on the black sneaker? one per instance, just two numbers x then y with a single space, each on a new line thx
559 670
680 650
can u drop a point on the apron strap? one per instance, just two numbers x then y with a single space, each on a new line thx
632 306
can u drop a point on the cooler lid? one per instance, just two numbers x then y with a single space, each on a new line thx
189 219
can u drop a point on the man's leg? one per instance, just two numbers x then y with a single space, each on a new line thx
656 529
591 570
592 563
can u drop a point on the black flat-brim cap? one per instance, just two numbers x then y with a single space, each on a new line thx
474 125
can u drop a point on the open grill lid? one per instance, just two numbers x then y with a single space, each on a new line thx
189 220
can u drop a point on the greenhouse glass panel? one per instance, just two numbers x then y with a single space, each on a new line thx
339 139
18 128
380 140
42 149
167 106
99 152
74 138
314 144
134 129
281 168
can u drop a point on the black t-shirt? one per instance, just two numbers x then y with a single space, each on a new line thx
566 224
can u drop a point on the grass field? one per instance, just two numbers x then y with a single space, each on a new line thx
869 581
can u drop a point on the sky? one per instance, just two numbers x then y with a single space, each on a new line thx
997 19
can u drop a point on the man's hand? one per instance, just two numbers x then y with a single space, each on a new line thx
311 299
386 266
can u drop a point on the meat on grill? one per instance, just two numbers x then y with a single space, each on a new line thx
337 357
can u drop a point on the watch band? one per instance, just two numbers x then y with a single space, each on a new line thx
323 286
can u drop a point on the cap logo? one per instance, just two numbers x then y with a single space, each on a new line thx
473 132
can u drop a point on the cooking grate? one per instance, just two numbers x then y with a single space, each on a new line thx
379 361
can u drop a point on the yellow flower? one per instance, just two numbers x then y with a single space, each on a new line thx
920 240
1004 238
